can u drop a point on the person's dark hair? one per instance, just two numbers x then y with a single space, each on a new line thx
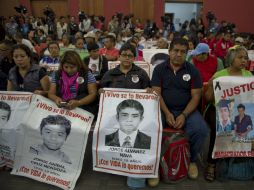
126 47
7 107
41 30
24 48
132 40
18 35
92 46
159 57
53 42
8 44
79 38
111 38
179 41
2 33
129 103
67 36
73 58
56 120
241 106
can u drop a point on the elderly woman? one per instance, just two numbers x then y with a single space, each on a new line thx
236 58
26 76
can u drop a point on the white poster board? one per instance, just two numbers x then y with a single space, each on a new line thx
52 147
13 106
149 53
234 100
127 135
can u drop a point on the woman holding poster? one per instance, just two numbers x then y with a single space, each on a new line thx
237 58
73 85
26 76
128 75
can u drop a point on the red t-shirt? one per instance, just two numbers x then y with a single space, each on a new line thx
206 68
112 52
221 48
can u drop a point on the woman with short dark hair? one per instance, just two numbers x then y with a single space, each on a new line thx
26 76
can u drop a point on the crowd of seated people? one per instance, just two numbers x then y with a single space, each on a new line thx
82 54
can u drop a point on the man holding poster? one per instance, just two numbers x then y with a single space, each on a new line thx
179 84
129 115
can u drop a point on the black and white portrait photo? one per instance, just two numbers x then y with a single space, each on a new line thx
54 130
129 114
5 113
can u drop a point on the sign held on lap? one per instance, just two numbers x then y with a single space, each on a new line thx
127 136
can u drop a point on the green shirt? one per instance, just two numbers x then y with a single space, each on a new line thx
225 72
82 53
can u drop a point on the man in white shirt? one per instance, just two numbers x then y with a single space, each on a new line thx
61 28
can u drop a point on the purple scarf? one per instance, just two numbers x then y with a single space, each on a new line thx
67 83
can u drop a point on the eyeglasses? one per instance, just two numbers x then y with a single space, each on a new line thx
127 55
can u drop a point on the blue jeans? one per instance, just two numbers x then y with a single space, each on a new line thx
195 128
136 183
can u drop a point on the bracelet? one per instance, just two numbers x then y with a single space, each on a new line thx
185 115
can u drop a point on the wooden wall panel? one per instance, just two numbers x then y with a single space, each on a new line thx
7 7
184 1
92 7
143 9
60 7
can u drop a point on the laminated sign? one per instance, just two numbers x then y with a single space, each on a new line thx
13 106
234 101
52 147
127 135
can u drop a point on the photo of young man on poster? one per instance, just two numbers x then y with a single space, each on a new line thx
54 130
129 116
224 125
243 122
5 113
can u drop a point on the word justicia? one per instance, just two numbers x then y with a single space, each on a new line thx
238 90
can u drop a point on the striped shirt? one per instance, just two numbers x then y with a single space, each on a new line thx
73 88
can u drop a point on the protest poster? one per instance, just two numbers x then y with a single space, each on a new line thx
13 106
142 64
51 68
234 101
150 44
149 53
127 135
52 147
